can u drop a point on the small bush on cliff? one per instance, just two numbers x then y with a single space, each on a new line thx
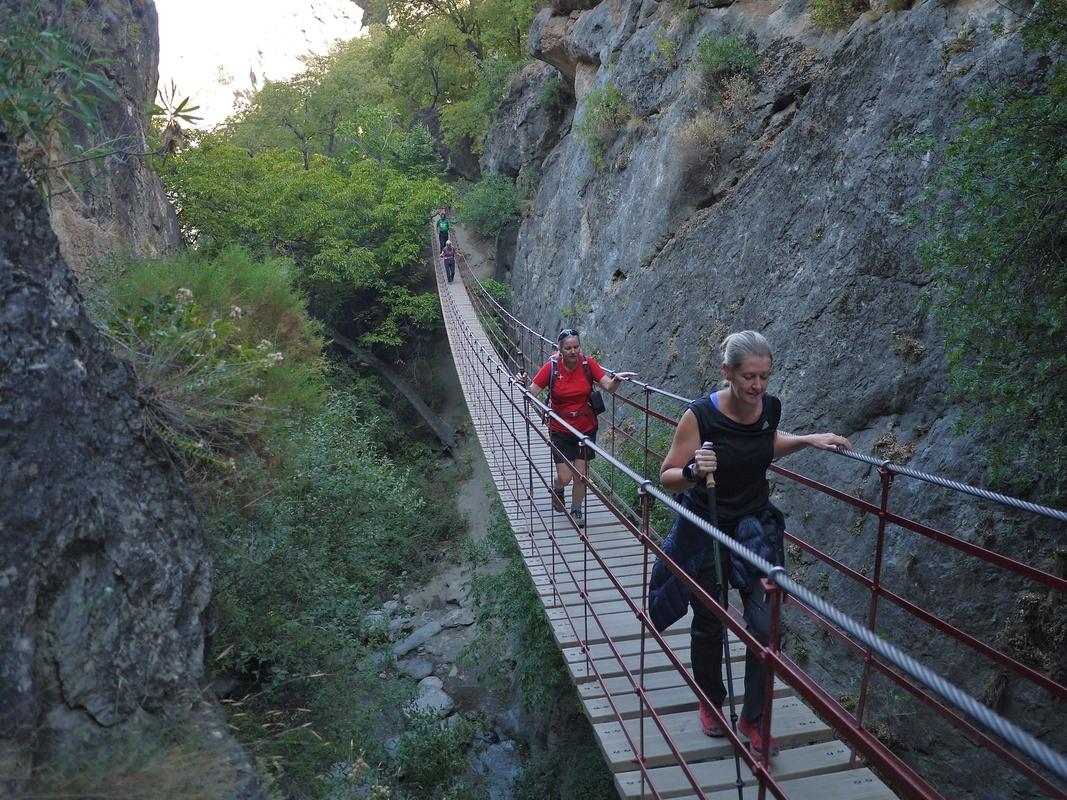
552 97
723 56
997 251
606 113
699 141
210 371
831 13
490 205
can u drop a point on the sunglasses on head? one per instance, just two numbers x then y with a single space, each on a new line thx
566 333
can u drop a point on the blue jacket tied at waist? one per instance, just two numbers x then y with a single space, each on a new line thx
688 544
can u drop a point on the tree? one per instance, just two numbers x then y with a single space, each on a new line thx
354 232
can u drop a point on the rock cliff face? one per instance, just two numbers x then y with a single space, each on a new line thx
129 213
782 211
106 579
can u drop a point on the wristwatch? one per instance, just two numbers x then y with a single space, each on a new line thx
687 471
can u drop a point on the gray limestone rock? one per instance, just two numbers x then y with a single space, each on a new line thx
130 212
459 618
106 579
779 205
417 668
431 700
418 638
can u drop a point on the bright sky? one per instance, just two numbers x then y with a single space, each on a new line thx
209 47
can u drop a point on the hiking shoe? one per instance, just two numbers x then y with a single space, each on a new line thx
754 732
710 723
576 512
557 501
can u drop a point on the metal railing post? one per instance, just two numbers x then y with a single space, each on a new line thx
886 479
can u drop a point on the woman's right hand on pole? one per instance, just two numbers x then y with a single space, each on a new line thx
705 461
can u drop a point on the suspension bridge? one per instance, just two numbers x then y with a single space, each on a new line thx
636 685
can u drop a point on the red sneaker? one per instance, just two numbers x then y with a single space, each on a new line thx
754 732
710 723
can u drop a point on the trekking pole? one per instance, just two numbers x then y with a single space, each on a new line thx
713 518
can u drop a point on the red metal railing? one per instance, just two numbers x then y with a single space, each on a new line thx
628 430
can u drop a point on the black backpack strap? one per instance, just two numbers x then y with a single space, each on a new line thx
588 372
551 379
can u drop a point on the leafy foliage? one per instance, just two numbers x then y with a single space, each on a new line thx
490 205
452 56
340 526
355 231
310 521
430 756
510 598
552 97
211 372
473 116
997 255
52 83
725 56
501 292
607 111
316 533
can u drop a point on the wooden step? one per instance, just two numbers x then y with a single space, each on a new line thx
714 776
793 724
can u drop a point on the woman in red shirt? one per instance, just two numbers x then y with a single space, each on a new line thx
569 398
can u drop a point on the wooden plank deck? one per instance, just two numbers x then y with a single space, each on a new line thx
606 657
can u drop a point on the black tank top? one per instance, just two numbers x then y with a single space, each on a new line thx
743 453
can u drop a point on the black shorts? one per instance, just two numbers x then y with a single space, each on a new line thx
570 447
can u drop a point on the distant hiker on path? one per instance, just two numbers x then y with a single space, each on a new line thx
448 253
442 228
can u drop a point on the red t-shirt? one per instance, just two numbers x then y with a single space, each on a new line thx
570 393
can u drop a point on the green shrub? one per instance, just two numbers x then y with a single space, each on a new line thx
832 13
432 757
339 528
490 205
996 252
500 292
552 97
606 113
314 535
725 56
666 51
221 347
